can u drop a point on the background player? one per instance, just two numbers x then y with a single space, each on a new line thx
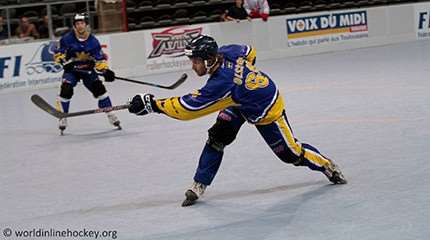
242 93
81 55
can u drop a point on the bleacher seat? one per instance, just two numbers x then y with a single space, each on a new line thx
215 15
181 3
165 20
131 5
181 16
146 22
144 6
163 4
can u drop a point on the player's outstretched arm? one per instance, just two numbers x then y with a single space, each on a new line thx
183 108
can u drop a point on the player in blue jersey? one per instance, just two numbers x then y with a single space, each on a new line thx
81 56
243 94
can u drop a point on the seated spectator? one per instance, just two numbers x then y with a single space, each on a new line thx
236 12
43 28
257 8
26 29
3 29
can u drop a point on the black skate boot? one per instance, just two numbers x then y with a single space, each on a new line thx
192 194
334 174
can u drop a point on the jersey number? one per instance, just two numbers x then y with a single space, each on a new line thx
255 80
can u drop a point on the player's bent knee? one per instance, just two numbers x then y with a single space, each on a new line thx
66 90
97 88
221 134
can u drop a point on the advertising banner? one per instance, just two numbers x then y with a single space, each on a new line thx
422 21
165 47
32 64
27 65
327 28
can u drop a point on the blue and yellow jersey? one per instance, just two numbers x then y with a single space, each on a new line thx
234 51
236 83
85 54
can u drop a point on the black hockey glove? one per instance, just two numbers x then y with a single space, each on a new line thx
142 104
68 67
109 75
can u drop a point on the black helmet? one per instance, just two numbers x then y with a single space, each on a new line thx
202 46
80 17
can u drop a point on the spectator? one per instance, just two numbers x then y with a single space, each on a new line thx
257 8
236 12
3 29
26 29
44 27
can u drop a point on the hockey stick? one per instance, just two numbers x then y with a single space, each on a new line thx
42 104
173 86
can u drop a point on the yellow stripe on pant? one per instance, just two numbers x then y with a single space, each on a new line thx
296 147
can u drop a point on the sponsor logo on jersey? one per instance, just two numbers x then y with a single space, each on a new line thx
172 41
319 25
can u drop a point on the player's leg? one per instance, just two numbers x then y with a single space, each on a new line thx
279 136
68 82
221 134
97 88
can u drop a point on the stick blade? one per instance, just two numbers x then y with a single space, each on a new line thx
42 104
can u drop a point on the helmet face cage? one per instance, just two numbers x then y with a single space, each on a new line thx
203 47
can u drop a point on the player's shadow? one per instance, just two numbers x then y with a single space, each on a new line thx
96 135
260 224
163 201
238 194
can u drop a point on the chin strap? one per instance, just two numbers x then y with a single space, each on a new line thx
210 68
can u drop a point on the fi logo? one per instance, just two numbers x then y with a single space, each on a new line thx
423 20
43 60
10 66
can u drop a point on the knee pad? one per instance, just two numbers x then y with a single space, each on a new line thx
66 90
221 134
97 88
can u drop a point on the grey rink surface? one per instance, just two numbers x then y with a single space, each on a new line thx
368 109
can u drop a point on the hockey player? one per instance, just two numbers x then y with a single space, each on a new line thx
242 93
81 56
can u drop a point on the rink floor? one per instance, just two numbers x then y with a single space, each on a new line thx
368 109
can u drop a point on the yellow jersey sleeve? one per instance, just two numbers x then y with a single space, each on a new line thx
190 107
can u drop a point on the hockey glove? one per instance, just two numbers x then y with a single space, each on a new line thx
68 66
109 75
141 104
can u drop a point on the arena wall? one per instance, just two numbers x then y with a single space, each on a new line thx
138 53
